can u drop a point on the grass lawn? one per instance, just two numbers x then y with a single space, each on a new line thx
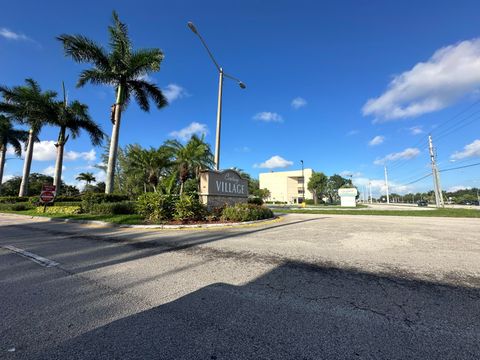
116 219
465 213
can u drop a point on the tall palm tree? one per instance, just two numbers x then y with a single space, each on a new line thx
72 118
30 106
87 177
122 67
190 158
9 136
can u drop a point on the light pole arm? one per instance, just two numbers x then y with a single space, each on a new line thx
208 50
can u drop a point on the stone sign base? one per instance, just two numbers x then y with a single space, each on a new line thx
216 201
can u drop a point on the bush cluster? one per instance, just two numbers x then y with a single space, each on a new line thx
189 208
16 207
113 208
246 212
155 207
255 201
13 199
89 199
63 210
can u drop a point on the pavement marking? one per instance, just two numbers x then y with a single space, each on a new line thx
31 256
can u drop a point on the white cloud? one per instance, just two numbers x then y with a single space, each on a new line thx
469 150
377 140
452 72
268 116
173 92
274 162
100 176
406 154
379 188
6 177
187 132
347 173
458 187
243 149
45 150
416 130
298 102
352 132
74 155
10 35
50 170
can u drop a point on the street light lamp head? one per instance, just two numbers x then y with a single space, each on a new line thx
192 27
242 85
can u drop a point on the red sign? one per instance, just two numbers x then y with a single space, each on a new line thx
48 193
51 188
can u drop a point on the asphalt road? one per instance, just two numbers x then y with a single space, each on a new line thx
304 287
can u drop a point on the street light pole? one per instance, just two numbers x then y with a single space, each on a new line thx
222 74
303 185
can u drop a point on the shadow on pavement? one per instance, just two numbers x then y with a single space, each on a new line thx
296 311
126 241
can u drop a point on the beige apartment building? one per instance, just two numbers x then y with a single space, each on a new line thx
286 186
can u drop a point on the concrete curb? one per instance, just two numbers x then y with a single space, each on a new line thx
159 226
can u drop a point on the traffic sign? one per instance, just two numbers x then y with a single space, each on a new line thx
48 193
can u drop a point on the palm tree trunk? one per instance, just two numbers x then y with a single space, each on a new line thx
27 165
112 158
57 179
3 153
181 188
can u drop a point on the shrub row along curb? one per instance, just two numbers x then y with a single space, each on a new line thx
159 226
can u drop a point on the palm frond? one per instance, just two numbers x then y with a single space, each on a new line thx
82 49
144 89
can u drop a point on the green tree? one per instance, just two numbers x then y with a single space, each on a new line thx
72 118
149 165
122 67
190 158
88 177
9 136
30 106
317 185
334 183
35 181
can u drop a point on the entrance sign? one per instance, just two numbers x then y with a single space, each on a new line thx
218 188
48 193
347 197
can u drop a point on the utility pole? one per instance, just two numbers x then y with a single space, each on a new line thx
436 177
386 185
370 191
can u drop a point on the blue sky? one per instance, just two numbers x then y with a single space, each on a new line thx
344 85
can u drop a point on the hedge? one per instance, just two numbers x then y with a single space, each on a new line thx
246 212
156 207
115 208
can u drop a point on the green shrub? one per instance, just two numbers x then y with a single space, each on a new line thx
115 208
156 207
246 212
255 201
64 198
189 208
13 199
89 199
63 210
16 207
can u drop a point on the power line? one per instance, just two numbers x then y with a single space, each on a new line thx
460 167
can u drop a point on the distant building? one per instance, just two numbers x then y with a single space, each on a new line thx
286 186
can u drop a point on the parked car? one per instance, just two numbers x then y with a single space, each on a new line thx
422 203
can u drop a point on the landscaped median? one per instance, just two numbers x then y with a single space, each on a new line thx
465 213
151 209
